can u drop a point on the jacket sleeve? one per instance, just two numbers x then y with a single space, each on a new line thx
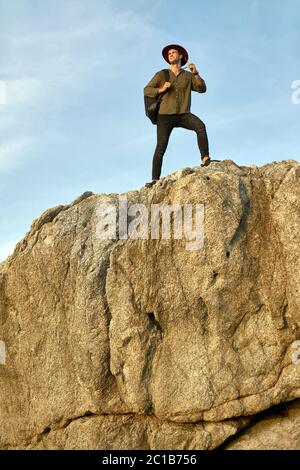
151 89
199 87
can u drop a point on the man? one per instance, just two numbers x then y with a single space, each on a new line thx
174 110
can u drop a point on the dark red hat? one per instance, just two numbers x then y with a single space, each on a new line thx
180 49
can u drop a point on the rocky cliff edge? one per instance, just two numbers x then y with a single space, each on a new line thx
144 344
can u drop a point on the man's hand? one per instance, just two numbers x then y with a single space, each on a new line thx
192 67
164 87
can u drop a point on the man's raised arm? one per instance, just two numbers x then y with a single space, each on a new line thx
198 84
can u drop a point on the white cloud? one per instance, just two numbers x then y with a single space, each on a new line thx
23 92
68 58
13 152
96 31
95 43
7 248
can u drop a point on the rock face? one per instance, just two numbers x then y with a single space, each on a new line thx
146 343
276 432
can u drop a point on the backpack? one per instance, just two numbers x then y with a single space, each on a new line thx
152 104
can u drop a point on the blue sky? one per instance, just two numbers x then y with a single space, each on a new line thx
74 71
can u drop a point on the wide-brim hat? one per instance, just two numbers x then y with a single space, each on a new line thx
180 49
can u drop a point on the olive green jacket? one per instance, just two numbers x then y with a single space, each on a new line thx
177 99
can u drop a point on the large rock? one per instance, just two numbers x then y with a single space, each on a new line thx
144 343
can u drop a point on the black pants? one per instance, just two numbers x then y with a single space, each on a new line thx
165 125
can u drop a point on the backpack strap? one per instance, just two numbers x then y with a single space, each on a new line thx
166 74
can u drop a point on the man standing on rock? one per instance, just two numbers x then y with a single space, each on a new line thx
174 110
